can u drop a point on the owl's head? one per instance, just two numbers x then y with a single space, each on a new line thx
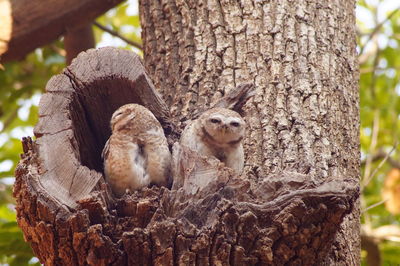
122 116
223 125
132 116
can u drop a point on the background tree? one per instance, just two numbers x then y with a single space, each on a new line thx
379 88
23 81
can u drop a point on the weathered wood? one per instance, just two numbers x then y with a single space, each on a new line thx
301 57
226 223
74 118
69 216
26 25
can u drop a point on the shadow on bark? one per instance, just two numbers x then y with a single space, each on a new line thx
69 216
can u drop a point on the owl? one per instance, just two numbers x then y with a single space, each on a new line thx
136 154
218 132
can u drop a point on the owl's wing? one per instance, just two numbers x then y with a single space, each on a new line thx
104 153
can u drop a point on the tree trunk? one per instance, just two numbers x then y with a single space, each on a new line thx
297 200
301 56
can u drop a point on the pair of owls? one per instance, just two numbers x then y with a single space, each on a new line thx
137 153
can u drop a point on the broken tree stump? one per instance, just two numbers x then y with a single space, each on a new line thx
69 216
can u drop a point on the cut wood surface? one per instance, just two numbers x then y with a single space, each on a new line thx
74 118
69 216
26 25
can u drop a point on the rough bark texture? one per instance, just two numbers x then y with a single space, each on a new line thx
27 25
69 216
298 195
301 56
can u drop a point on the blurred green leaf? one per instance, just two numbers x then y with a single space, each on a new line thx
378 94
390 253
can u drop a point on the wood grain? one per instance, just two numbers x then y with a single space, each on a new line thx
74 118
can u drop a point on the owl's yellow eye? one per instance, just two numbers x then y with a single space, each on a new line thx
215 120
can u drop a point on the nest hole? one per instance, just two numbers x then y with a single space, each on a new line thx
91 110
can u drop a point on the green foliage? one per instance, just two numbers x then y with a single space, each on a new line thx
390 252
21 85
14 251
379 32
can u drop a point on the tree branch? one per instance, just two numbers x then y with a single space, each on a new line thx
377 28
118 35
379 156
374 205
369 178
25 30
77 40
370 245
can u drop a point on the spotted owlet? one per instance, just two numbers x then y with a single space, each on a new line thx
136 154
218 132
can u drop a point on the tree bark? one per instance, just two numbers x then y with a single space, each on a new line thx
27 25
302 59
296 202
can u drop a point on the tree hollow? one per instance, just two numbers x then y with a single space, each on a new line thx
69 216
